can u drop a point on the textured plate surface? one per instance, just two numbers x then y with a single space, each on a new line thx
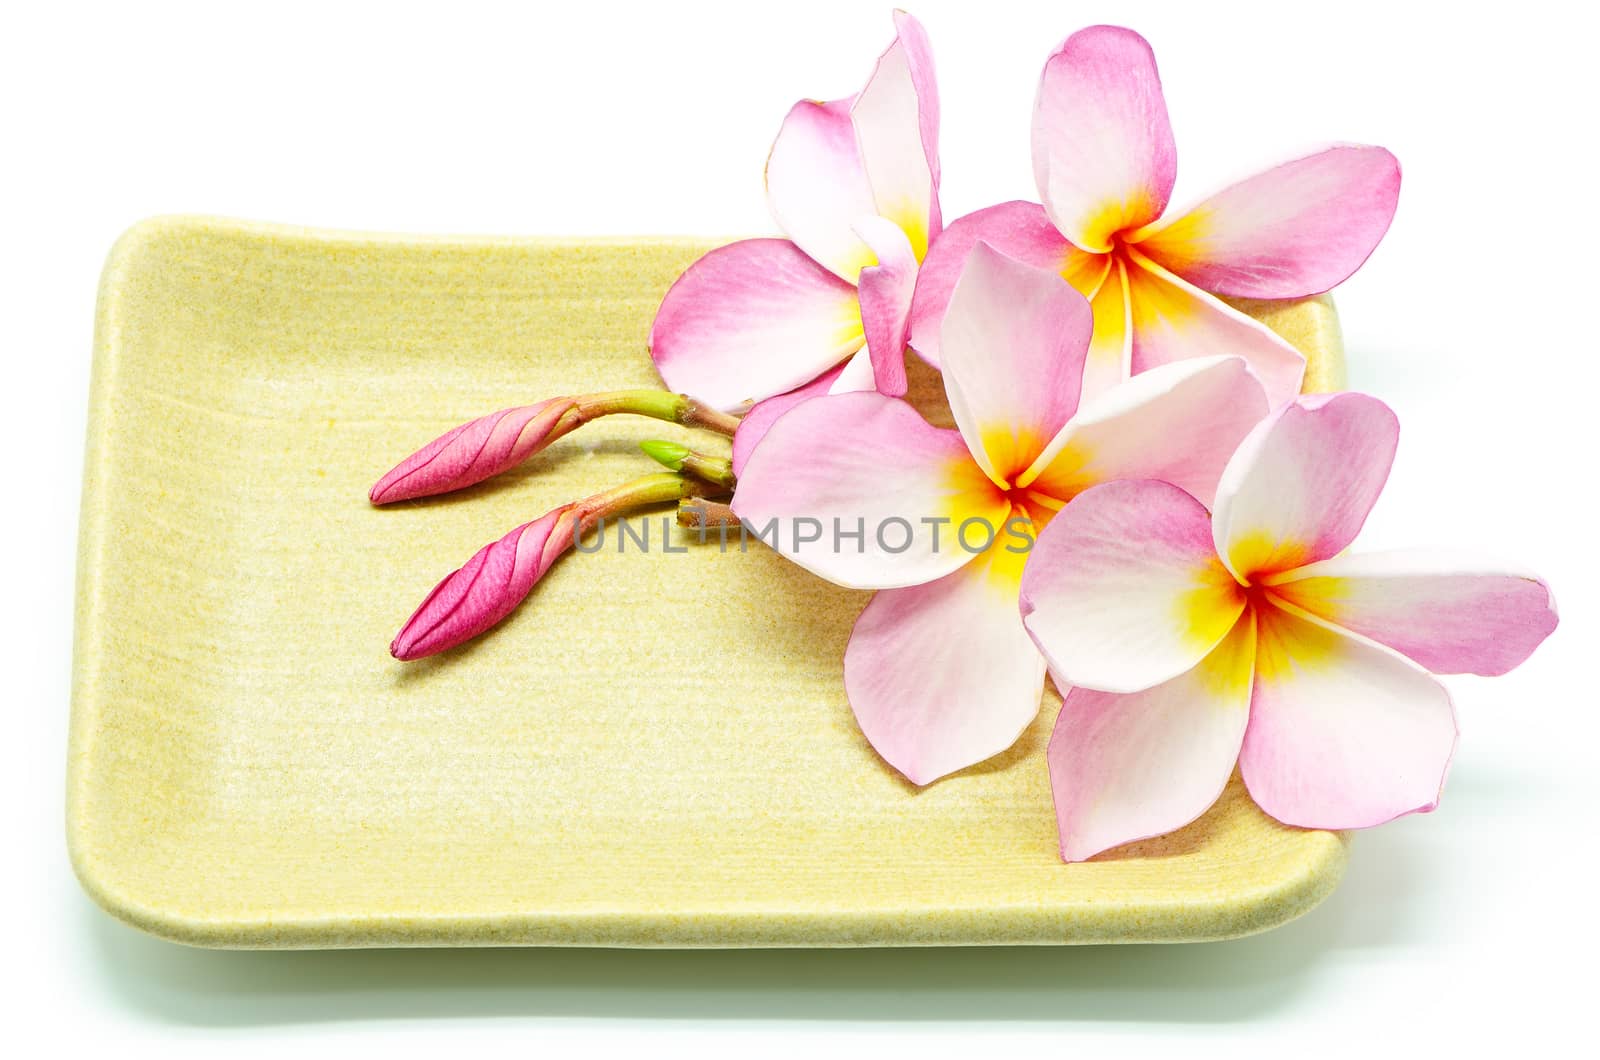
654 751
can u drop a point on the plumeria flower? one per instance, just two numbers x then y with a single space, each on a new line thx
854 185
1105 162
1195 641
861 490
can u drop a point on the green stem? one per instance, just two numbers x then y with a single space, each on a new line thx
661 488
657 404
713 469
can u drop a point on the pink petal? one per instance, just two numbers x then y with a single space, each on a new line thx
1343 733
1173 320
751 320
1127 767
1448 614
477 450
487 588
1302 483
886 290
1123 589
817 185
755 423
1295 230
1013 345
1103 154
896 120
1019 230
856 374
942 675
1179 423
869 463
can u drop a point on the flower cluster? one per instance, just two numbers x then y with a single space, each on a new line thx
1136 498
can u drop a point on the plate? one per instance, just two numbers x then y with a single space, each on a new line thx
655 750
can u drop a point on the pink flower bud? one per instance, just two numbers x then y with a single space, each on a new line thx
479 449
488 587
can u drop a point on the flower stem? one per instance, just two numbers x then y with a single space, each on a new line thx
659 488
657 404
716 470
701 514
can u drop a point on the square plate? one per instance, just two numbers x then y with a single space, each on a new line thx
654 751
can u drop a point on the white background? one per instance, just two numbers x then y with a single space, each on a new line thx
1475 320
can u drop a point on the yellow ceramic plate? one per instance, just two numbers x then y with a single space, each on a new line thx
654 751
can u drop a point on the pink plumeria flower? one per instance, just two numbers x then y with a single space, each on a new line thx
854 184
939 670
1194 641
1104 161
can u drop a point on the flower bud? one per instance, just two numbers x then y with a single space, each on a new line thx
491 584
479 449
668 454
488 587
